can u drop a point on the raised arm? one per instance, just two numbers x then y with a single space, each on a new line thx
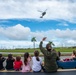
41 47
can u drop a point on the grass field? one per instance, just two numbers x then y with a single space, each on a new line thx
32 50
65 50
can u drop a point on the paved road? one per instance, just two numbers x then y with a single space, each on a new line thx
30 53
14 53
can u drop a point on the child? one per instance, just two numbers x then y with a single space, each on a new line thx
37 62
73 54
58 55
9 62
2 59
17 63
26 66
74 58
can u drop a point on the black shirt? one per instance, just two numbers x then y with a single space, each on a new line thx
9 64
1 63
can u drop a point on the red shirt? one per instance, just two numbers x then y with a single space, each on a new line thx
17 64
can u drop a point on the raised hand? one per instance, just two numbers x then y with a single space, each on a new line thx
44 38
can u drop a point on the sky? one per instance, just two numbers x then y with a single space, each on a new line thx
20 21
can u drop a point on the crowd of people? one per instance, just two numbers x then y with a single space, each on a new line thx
24 66
48 65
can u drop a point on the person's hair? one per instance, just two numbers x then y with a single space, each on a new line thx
47 47
59 53
0 56
36 54
26 55
18 58
10 56
74 52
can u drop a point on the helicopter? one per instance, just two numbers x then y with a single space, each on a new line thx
43 13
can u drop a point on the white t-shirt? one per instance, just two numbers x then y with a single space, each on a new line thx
36 64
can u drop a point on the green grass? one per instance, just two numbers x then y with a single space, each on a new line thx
32 50
18 50
65 49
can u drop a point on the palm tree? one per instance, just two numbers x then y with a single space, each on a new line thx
51 43
33 40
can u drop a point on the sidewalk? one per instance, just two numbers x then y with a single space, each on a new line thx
59 70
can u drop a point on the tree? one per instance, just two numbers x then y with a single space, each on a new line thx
51 43
33 40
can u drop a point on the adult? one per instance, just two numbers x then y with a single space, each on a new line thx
50 57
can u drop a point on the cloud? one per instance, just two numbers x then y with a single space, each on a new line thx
51 34
15 44
62 24
17 32
56 9
57 36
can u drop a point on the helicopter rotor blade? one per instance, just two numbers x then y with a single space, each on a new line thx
39 11
45 10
